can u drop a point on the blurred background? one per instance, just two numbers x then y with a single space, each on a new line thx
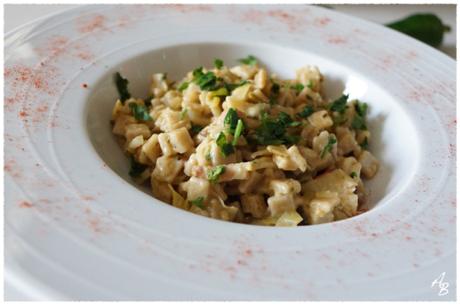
17 15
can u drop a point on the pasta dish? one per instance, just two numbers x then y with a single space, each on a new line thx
242 145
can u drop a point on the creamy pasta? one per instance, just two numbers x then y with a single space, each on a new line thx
242 145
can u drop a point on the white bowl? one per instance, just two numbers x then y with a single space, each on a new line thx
76 228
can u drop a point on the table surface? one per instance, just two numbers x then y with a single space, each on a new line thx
17 15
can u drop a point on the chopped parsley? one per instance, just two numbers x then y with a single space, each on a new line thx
286 120
340 104
196 129
365 144
183 86
272 101
140 112
275 89
198 202
298 88
218 63
225 147
272 131
214 173
122 87
250 60
328 148
238 131
206 81
208 157
306 112
183 113
235 127
361 108
353 175
231 119
359 120
136 168
148 101
310 84
358 123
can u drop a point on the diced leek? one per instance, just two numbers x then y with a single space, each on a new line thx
241 93
219 92
177 200
289 219
267 221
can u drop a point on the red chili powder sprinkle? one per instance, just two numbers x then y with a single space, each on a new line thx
337 40
94 224
42 108
292 21
96 23
322 21
85 55
25 204
23 113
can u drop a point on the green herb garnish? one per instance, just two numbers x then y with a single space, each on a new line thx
148 101
365 144
183 113
275 89
122 87
340 104
198 202
214 173
273 131
206 81
231 119
332 140
196 129
238 131
358 123
306 112
287 121
140 112
225 147
250 60
339 119
359 120
136 168
310 84
361 108
183 86
218 63
353 175
298 88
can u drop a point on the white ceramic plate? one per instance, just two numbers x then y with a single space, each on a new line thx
78 228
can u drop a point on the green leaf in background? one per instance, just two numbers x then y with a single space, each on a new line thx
427 28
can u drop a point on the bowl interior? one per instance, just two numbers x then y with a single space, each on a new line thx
393 137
